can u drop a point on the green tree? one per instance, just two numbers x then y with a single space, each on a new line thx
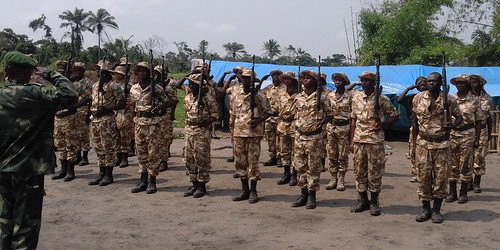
10 41
39 23
76 21
97 22
202 49
272 48
234 50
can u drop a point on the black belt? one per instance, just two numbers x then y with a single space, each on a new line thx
341 122
307 133
483 126
149 114
434 138
101 113
196 123
465 127
288 119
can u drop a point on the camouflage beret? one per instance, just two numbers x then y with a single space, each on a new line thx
16 59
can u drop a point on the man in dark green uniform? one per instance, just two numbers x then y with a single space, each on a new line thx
26 146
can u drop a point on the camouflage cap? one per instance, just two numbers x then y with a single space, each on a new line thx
61 63
460 78
16 59
309 73
158 69
276 72
123 60
195 78
478 78
119 70
246 72
143 65
288 75
340 76
79 65
238 69
368 75
103 65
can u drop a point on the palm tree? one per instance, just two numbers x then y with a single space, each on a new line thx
234 49
272 48
76 21
97 23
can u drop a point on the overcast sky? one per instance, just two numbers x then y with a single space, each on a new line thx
316 26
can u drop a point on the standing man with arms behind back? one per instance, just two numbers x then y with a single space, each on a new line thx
27 113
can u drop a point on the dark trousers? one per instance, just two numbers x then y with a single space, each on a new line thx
21 199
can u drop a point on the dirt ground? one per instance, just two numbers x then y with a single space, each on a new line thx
79 216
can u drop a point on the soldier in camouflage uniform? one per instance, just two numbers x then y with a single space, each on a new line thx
431 146
480 152
272 92
338 132
367 142
286 132
84 88
248 132
198 119
107 97
150 105
464 139
310 116
27 112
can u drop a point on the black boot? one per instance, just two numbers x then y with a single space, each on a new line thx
131 151
108 177
293 178
70 174
426 212
230 159
436 216
245 191
286 176
311 200
151 189
452 194
463 193
85 159
118 159
363 203
271 162
323 161
78 157
163 166
253 197
124 161
201 191
143 185
470 187
374 206
302 200
477 184
192 189
102 172
61 173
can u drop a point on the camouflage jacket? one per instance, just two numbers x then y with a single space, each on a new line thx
27 121
112 93
307 116
273 94
208 109
286 113
471 112
240 108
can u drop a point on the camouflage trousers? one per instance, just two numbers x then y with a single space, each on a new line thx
21 199
307 161
104 135
125 136
272 138
337 148
462 158
167 132
480 153
65 138
414 169
246 157
83 132
197 153
432 165
369 166
148 143
285 149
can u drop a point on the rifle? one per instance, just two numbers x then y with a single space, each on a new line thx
152 84
210 65
377 87
252 90
100 87
127 78
299 85
68 65
200 89
163 73
319 88
446 89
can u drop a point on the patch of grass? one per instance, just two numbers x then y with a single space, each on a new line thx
179 110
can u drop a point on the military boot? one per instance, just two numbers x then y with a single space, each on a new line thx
118 159
426 212
323 162
436 216
271 162
333 182
477 184
192 189
108 177
462 198
151 189
363 203
102 172
452 195
302 200
245 191
78 157
230 159
124 161
374 206
85 159
70 174
311 200
163 166
62 172
341 182
143 185
131 150
201 191
253 197
293 177
286 176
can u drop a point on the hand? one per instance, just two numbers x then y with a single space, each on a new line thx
102 111
412 86
476 143
228 72
254 122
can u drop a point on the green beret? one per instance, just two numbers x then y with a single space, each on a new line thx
16 59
